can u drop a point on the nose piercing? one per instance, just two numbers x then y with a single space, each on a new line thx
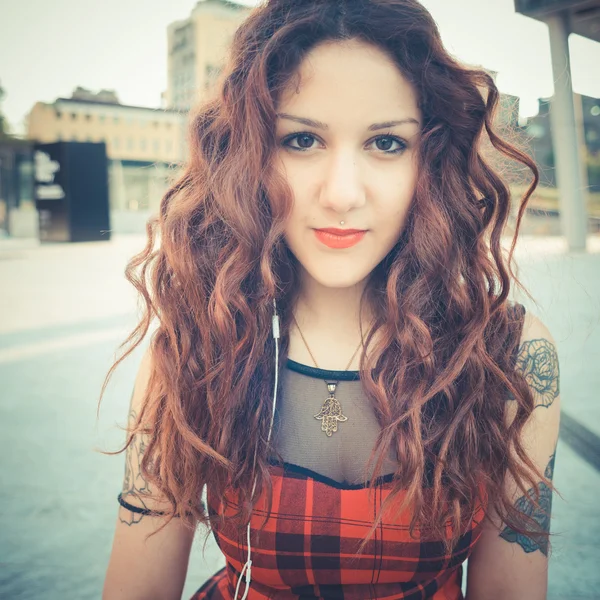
342 222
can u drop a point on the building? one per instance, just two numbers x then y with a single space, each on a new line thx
539 131
131 133
145 146
197 47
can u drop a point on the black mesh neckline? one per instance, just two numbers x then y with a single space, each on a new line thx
322 373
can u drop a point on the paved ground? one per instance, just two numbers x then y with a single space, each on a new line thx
63 311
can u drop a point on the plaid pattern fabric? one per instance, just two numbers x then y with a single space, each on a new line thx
307 548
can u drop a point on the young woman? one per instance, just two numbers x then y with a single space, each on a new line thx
336 357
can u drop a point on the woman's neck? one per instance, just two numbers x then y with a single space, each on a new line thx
333 336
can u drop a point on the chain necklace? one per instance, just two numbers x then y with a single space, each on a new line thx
331 411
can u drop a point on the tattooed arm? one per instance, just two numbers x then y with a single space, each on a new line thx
139 568
137 492
506 565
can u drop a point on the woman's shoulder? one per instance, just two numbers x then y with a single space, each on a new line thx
536 359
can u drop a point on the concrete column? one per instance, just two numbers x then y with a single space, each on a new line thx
565 138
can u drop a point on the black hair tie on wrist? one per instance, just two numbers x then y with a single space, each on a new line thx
137 509
146 511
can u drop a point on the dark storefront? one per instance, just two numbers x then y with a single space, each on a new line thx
71 191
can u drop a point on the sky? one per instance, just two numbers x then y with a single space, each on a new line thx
47 49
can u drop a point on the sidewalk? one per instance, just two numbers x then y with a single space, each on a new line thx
65 308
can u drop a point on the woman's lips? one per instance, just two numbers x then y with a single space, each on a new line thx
339 241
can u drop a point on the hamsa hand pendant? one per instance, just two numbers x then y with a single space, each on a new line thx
331 412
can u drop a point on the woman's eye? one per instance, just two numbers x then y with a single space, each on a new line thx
385 143
390 140
304 141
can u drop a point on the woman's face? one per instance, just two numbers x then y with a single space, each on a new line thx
347 145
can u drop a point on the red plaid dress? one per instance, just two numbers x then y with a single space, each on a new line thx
308 546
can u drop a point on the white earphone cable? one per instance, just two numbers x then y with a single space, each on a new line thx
248 566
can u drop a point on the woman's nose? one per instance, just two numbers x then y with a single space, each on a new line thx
342 188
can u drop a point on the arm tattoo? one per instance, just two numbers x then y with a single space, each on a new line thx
135 487
540 515
538 363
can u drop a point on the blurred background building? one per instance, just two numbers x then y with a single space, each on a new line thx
146 147
197 47
539 129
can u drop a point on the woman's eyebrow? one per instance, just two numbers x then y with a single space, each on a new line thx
319 125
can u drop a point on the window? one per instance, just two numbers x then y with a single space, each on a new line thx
73 116
101 118
116 143
142 144
156 145
116 120
595 110
129 143
58 114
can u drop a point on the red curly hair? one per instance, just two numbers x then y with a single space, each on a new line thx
444 364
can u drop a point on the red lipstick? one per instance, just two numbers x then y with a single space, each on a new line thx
339 238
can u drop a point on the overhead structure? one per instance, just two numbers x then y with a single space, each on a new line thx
564 17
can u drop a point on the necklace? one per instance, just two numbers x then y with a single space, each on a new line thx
331 411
